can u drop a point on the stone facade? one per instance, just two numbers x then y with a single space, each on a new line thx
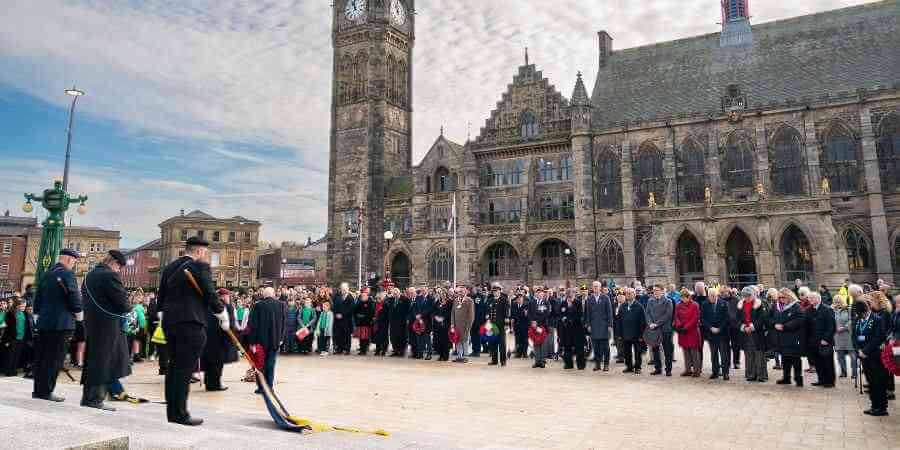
233 244
741 158
93 243
294 264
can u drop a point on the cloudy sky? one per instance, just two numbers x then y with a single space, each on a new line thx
223 105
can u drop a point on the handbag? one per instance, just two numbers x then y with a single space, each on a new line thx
159 337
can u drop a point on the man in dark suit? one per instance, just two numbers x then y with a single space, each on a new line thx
540 312
398 310
218 346
267 331
106 356
633 324
57 305
184 307
343 305
822 347
598 318
497 313
480 307
422 308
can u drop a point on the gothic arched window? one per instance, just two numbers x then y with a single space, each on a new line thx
502 261
796 255
345 80
440 265
888 147
858 257
361 87
691 173
402 84
612 260
647 176
392 78
608 181
530 125
553 258
442 181
840 160
737 169
786 162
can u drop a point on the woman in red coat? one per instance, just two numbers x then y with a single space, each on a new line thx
687 324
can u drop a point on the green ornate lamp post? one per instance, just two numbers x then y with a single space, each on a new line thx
56 201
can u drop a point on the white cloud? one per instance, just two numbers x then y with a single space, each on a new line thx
258 73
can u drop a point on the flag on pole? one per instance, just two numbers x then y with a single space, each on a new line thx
452 221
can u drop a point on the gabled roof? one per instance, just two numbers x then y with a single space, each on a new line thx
197 214
529 84
152 245
441 140
801 59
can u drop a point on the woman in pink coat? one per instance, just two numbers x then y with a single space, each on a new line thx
687 324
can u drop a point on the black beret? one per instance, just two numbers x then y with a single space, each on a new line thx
195 241
119 257
69 252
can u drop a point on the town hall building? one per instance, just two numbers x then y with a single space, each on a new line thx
762 153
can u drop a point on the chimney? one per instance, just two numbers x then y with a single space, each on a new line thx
182 213
605 47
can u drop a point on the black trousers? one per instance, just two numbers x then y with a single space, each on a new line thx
185 342
734 340
398 338
442 343
212 373
12 356
573 346
878 381
163 351
51 351
342 337
93 395
498 349
632 350
794 363
824 367
668 349
720 354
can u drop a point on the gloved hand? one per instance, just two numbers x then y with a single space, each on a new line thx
79 316
159 314
223 320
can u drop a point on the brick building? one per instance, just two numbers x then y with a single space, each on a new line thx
762 152
13 247
294 264
233 244
143 269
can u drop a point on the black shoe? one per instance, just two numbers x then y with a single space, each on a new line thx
606 367
714 376
656 372
194 380
891 396
503 364
828 386
568 367
217 389
736 366
800 383
49 398
596 368
637 371
492 363
535 365
190 421
816 384
99 406
876 412
726 377
783 382
628 370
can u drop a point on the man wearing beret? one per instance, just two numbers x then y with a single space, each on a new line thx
186 295
57 306
106 306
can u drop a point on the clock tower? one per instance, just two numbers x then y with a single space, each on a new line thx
371 119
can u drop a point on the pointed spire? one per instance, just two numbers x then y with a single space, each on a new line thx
580 96
526 56
442 131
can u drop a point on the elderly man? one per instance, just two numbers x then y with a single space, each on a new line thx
398 311
106 351
714 324
632 322
343 305
659 329
497 313
267 330
822 346
58 305
462 316
598 318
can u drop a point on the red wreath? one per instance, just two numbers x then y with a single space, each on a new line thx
887 357
537 335
453 334
258 355
418 326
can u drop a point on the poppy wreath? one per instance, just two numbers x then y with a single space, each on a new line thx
489 333
258 355
537 335
418 326
891 362
453 334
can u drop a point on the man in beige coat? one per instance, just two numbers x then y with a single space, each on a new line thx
462 317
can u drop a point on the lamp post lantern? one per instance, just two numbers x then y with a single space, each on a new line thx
56 201
74 93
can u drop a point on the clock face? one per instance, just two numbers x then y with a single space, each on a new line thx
355 10
398 13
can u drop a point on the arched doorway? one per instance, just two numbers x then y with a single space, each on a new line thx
501 262
554 259
796 256
688 259
400 267
740 261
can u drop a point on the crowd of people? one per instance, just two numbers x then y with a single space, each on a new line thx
853 333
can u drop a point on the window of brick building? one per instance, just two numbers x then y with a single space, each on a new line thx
608 181
737 170
690 173
231 236
787 164
217 236
888 147
4 269
7 248
647 176
840 160
184 235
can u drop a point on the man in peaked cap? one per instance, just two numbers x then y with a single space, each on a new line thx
57 306
186 295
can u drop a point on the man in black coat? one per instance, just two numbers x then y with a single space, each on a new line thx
184 310
475 335
267 330
633 323
572 330
57 305
822 345
343 305
422 308
497 312
218 346
398 312
790 324
106 304
540 313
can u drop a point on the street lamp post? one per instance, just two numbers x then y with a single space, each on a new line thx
74 93
56 201
568 253
388 236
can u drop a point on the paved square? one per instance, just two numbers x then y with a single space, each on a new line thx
447 405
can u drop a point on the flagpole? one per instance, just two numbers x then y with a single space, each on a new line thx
359 234
453 218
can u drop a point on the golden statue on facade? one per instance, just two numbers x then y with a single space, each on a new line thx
826 186
651 200
761 190
707 196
